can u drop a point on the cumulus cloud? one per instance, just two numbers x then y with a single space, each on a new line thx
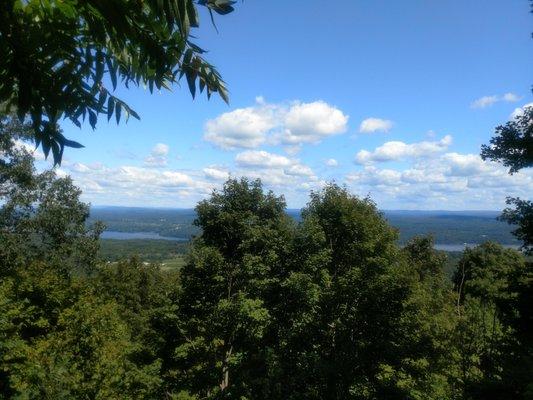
299 170
291 124
241 128
311 122
83 168
520 110
216 174
396 150
274 168
451 180
373 176
158 156
465 164
487 101
139 185
371 125
446 180
331 162
262 159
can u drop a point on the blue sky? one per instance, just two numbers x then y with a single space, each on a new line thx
391 98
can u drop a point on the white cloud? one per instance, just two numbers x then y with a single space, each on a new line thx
272 168
299 170
520 110
241 128
261 159
140 186
511 97
487 101
79 167
332 162
484 101
449 181
311 122
291 125
373 176
371 125
160 149
216 174
396 150
158 156
465 164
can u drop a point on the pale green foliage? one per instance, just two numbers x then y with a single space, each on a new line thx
64 344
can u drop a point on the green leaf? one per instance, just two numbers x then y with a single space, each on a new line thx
133 113
191 81
101 100
110 107
99 67
92 119
73 144
118 109
56 153
112 72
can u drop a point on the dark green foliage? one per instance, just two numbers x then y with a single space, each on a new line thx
513 147
520 215
58 57
495 287
234 268
147 299
58 338
351 318
513 143
16 165
41 216
265 307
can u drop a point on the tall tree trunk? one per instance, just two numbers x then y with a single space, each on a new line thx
225 370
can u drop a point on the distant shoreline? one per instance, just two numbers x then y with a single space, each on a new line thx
116 235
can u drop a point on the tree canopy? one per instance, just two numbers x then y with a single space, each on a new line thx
513 147
329 307
62 59
512 144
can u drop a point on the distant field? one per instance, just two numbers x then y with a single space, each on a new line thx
146 249
447 227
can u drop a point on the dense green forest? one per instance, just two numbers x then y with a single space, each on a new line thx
261 307
332 304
